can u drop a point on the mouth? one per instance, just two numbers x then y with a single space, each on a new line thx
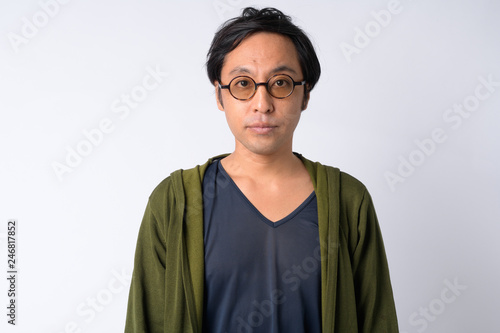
261 128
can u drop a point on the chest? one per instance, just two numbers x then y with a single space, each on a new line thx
253 263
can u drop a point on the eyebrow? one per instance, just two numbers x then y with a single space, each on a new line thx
242 69
283 68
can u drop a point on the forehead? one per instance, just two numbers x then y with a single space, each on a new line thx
262 54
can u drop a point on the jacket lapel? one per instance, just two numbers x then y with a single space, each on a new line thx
326 185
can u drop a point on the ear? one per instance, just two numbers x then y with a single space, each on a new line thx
305 101
218 96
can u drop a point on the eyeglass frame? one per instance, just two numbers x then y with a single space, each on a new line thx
266 84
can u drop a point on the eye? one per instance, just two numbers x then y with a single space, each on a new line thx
281 83
242 83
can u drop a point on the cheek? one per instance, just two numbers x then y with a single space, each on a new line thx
232 120
293 122
292 117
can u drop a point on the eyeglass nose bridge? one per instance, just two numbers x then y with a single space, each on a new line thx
256 86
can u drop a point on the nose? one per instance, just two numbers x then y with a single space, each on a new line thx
262 100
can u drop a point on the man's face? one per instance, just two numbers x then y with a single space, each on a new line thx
263 124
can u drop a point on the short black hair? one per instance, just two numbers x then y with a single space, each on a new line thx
252 20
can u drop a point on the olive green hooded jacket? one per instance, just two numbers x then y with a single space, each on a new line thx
167 288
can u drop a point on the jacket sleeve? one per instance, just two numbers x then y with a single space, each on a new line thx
374 298
146 303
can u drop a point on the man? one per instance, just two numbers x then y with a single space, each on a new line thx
262 239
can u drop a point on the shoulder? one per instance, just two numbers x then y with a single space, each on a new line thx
162 190
351 189
336 181
181 182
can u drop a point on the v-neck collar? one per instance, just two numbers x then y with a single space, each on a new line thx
252 206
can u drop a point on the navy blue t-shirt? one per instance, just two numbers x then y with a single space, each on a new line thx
260 276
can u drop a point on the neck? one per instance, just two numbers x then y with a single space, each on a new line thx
243 162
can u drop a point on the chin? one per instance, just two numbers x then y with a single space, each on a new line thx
263 149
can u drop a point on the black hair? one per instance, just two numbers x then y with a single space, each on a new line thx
233 31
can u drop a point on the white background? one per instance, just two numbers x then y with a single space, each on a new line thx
77 232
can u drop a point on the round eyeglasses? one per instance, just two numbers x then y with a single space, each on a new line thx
278 86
